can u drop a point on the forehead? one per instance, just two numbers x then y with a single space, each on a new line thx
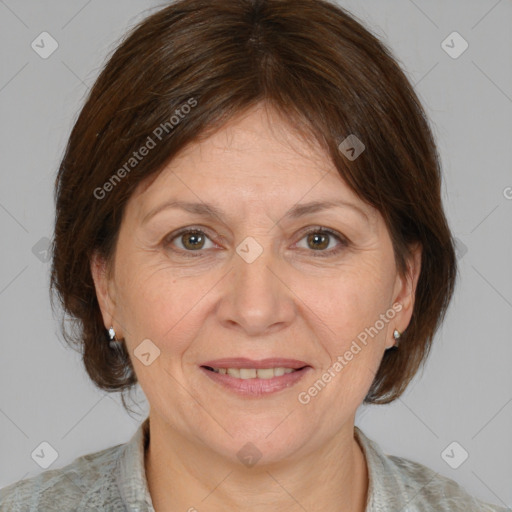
255 158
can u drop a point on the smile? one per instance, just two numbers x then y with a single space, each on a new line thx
255 382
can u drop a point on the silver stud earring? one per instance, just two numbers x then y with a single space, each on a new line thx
396 335
114 343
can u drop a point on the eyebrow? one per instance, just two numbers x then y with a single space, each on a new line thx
209 210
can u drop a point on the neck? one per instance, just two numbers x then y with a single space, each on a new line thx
184 475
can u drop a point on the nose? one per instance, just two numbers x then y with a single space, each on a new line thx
256 298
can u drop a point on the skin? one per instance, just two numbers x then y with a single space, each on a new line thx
286 303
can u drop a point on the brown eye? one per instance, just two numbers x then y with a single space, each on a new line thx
318 240
188 241
193 240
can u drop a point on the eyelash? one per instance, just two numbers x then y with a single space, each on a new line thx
317 254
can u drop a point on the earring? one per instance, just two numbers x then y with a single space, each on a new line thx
114 343
396 335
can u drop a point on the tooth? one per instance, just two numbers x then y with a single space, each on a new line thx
253 373
247 373
265 373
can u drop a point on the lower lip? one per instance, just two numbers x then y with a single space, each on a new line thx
257 387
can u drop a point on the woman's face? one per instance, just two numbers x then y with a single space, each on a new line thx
252 283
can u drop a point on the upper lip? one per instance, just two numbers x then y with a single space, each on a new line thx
243 362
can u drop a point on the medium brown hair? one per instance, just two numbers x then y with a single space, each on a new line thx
317 66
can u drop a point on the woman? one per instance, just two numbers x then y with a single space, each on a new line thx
249 225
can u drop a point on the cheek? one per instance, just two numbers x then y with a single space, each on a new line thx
353 346
158 304
349 301
348 312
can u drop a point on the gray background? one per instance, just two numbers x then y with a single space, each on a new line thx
465 392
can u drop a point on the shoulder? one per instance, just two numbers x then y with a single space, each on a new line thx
78 486
398 483
424 486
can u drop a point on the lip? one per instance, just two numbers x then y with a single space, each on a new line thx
243 362
256 388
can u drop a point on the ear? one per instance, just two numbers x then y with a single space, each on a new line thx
104 289
405 290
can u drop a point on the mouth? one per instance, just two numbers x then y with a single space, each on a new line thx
255 378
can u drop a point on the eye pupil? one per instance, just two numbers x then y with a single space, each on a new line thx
195 237
318 237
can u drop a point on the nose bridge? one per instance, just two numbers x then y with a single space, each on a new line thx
255 256
256 298
254 282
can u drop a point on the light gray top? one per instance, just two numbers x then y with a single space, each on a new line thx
114 480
